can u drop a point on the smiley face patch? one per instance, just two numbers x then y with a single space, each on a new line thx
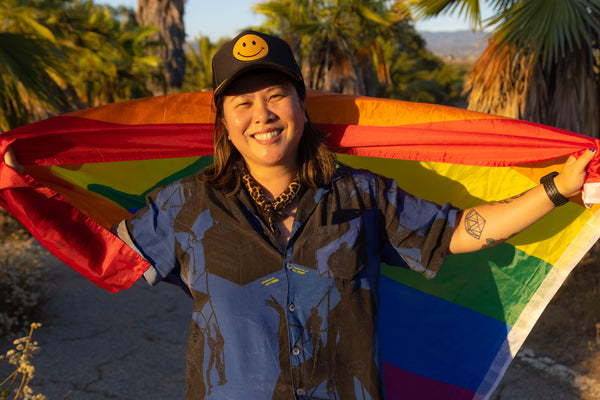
250 47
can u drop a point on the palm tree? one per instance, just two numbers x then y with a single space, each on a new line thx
105 49
57 57
417 75
198 71
541 63
338 42
29 68
167 17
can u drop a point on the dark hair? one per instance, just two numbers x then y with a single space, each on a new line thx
316 163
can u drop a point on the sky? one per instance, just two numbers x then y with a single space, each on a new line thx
208 18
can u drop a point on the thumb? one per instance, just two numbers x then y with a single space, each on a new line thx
10 159
572 176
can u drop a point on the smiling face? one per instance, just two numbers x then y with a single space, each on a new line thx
250 47
265 118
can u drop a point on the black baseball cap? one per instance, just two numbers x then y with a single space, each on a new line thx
251 50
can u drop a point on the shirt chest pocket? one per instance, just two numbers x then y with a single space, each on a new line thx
341 249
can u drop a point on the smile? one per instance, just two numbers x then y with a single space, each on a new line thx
251 55
265 136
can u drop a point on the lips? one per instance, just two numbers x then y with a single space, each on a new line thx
267 136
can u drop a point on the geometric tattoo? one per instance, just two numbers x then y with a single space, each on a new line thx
474 224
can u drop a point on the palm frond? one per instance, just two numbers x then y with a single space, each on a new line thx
27 62
469 10
548 30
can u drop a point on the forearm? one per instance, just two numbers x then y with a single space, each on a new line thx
490 224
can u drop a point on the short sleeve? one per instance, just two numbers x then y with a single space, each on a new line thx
416 232
151 229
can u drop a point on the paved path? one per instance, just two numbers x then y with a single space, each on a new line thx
525 382
96 345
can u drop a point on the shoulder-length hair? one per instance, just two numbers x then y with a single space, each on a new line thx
316 163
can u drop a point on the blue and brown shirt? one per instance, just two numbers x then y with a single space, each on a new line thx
298 322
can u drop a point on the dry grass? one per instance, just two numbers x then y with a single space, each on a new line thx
590 383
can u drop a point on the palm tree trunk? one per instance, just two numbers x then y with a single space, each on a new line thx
565 94
167 17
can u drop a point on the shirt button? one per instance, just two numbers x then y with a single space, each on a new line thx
292 307
300 392
295 351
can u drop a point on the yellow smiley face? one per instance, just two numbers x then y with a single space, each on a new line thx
250 47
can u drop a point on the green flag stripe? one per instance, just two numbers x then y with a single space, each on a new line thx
497 282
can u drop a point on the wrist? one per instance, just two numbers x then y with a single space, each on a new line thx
552 190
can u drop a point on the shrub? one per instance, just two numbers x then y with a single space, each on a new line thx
17 383
20 278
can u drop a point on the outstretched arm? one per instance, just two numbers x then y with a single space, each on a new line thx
489 224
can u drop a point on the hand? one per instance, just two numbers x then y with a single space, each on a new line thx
10 159
570 180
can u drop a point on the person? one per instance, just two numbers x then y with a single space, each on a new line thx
280 248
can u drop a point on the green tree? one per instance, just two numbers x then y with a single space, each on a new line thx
339 42
59 56
541 63
198 70
29 67
416 74
106 52
362 47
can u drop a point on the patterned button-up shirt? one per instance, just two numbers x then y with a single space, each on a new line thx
298 322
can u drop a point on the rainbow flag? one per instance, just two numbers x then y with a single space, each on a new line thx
452 337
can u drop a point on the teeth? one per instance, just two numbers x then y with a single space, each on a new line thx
267 135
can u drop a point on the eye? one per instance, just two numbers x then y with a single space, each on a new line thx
239 102
277 96
242 104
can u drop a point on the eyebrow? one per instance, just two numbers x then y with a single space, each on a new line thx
276 87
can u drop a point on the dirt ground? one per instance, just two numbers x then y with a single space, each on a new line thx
568 332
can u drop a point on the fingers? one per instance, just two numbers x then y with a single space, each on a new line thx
569 161
578 165
570 180
585 158
10 159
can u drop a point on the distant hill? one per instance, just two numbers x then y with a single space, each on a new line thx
458 44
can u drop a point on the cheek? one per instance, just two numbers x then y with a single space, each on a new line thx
233 123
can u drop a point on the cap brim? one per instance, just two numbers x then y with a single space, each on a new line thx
253 67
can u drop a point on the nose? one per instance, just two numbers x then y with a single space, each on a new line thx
262 113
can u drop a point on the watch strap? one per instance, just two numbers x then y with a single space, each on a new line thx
550 187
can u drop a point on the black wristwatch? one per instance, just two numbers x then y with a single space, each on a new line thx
551 190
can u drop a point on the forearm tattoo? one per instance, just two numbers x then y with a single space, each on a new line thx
489 242
474 223
509 200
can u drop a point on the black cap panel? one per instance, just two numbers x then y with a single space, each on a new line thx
252 50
